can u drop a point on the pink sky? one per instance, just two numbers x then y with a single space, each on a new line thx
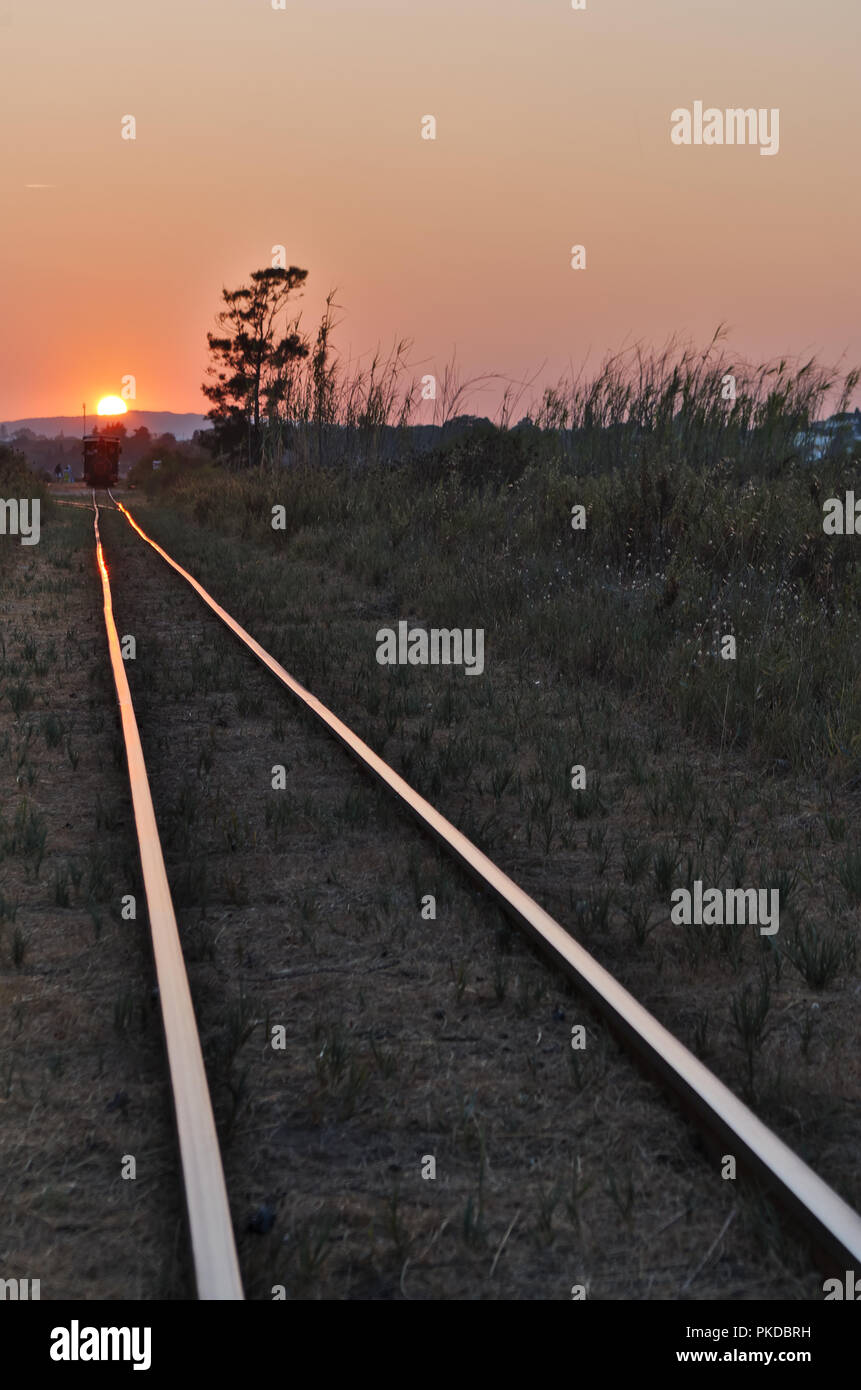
302 126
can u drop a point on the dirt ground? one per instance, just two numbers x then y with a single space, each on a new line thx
424 1129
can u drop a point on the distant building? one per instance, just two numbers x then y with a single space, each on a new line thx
836 435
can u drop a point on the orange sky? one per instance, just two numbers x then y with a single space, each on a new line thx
302 126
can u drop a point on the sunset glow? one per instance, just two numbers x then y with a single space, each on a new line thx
553 128
111 405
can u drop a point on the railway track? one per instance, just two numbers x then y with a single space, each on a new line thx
211 1232
832 1227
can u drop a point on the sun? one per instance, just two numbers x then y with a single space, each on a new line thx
111 405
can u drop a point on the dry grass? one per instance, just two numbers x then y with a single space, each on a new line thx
68 1218
404 1037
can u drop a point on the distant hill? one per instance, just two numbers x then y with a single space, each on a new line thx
156 421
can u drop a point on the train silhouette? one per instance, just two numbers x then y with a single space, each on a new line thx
101 460
101 456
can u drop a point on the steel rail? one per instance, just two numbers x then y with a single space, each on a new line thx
835 1228
213 1246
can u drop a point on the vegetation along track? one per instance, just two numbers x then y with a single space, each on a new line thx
834 1227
